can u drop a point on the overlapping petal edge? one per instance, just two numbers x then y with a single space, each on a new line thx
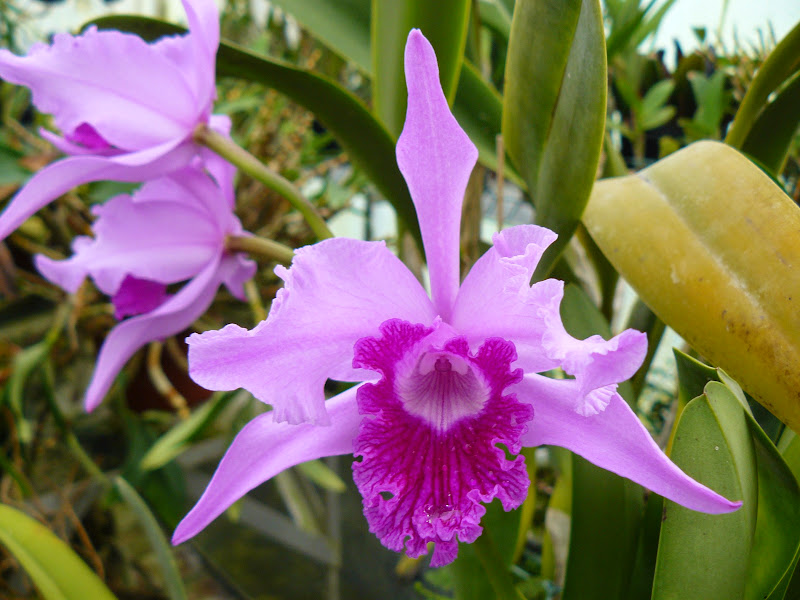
185 218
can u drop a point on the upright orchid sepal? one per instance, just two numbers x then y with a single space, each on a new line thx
448 378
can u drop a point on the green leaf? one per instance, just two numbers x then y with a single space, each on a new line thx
606 515
56 571
321 474
496 17
700 555
657 96
24 364
656 118
781 64
342 25
164 555
478 108
367 143
675 232
178 439
776 541
443 22
770 138
555 94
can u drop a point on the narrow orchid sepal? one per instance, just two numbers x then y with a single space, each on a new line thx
613 439
263 449
436 159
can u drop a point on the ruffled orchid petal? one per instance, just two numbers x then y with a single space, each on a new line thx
430 435
613 439
136 296
99 75
180 240
171 317
61 176
594 362
436 158
264 448
497 299
336 292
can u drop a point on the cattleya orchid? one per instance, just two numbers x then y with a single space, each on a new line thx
126 109
171 230
451 380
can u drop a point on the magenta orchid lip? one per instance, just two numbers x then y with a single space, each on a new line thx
427 439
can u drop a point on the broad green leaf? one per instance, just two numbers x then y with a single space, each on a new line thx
781 64
161 547
700 555
777 535
443 22
656 118
556 94
770 138
56 571
367 143
342 25
676 231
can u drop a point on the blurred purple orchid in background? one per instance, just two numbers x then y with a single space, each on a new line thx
126 109
449 377
173 229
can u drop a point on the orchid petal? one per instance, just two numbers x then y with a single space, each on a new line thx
613 439
336 292
263 449
63 175
497 299
594 362
173 316
179 239
436 158
99 75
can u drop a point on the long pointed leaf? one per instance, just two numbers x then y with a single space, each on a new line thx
55 569
554 108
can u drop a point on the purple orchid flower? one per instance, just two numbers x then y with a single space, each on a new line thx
449 377
126 108
171 230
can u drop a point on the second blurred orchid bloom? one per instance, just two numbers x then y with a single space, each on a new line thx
452 382
171 230
126 109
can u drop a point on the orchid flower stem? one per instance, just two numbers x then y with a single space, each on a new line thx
495 568
246 162
258 246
